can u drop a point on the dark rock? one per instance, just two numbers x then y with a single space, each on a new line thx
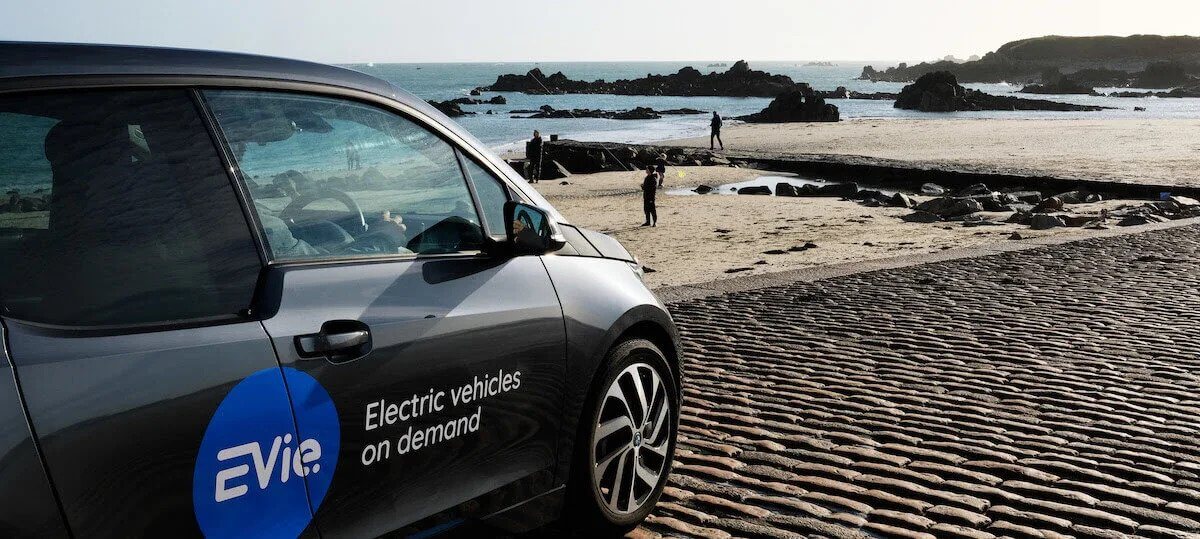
775 252
1062 86
950 207
845 190
921 217
800 105
939 91
868 194
553 170
739 81
1043 221
703 189
497 100
901 200
681 112
1020 218
797 248
449 108
932 189
973 189
1141 219
476 92
754 190
1028 197
784 189
1051 204
1076 197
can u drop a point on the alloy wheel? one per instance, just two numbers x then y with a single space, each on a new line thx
631 438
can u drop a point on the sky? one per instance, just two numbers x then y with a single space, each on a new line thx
351 31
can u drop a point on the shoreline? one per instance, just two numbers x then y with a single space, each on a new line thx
1154 151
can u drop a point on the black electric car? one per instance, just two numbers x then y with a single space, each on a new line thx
254 297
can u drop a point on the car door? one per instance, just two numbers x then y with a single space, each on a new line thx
129 269
445 365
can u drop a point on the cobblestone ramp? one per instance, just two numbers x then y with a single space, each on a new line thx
1043 393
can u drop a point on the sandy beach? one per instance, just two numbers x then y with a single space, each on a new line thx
705 237
1138 151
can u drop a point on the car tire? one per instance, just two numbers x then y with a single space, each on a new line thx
626 442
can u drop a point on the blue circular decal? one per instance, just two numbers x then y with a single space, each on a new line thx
252 468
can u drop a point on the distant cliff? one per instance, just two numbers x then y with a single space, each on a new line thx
1164 61
738 81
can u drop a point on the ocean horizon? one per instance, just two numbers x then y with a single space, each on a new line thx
501 132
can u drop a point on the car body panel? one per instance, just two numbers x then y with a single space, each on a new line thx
435 325
95 401
27 504
603 299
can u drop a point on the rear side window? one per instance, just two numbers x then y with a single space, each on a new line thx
117 211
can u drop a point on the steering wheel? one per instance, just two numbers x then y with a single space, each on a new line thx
525 219
302 201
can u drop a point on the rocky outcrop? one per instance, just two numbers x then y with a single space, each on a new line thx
18 203
450 108
1062 86
1091 61
738 81
637 113
940 92
800 105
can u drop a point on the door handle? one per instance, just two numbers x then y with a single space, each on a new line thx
339 341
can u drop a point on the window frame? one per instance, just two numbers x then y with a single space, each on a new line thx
67 85
462 151
488 226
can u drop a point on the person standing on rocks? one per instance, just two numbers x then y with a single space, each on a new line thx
716 131
649 188
660 166
533 155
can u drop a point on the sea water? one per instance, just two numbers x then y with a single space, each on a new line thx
503 132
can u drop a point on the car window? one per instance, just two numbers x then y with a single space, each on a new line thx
117 211
492 195
337 178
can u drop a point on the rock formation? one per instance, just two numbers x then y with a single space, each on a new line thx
940 92
800 105
738 81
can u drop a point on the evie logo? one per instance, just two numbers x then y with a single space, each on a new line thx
253 475
296 462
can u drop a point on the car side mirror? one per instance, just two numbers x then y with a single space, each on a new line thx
530 230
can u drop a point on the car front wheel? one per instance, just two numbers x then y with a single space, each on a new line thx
626 440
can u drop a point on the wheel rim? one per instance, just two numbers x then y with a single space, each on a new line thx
631 439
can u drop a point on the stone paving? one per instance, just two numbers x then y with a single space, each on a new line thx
1044 393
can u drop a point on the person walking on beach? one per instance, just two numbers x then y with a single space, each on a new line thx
660 166
649 187
716 131
533 155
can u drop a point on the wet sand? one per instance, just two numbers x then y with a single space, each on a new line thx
1137 151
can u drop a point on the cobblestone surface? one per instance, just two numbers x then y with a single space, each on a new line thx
1043 393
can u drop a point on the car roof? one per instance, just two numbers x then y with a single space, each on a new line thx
24 59
29 60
